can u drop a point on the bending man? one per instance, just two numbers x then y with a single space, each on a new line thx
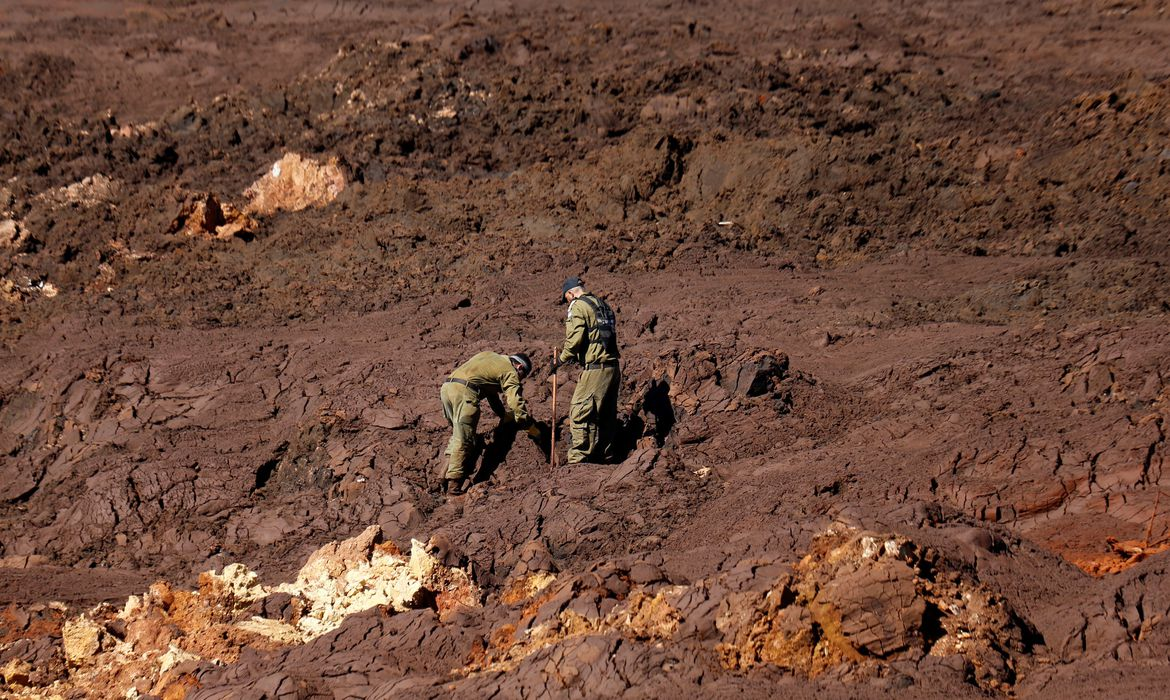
486 375
591 341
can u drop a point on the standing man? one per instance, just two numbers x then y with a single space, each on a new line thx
486 375
591 341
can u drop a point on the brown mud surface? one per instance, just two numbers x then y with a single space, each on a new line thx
893 298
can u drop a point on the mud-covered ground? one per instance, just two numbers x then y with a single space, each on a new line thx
892 290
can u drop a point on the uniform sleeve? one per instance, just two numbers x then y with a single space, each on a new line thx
510 387
575 336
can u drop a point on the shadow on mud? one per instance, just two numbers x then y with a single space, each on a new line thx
503 437
653 417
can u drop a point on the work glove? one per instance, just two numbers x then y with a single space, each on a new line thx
553 366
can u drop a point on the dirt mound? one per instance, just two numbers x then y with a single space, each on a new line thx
833 156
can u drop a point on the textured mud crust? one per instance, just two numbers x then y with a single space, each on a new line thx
892 300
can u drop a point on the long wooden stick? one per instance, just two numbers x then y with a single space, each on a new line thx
553 427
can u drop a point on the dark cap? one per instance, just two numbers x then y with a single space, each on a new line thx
571 283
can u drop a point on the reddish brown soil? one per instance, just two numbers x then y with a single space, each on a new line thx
948 217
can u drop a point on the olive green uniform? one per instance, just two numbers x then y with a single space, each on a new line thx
591 340
485 375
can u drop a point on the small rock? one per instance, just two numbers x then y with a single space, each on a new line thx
756 375
16 672
534 557
335 558
82 638
117 628
644 573
388 418
276 606
9 232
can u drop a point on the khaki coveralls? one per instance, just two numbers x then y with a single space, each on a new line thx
591 340
485 375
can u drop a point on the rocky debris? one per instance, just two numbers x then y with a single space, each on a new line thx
206 216
708 378
598 603
154 641
682 395
12 235
860 606
294 183
348 577
126 131
337 585
859 601
860 598
90 191
15 293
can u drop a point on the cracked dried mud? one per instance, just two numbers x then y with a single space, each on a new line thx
892 296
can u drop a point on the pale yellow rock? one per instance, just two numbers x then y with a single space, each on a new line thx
16 672
132 606
335 558
82 639
275 630
241 582
172 657
92 190
339 580
294 183
422 564
386 579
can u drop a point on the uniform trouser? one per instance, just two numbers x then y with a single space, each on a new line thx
461 408
593 415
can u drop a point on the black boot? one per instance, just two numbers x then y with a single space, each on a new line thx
454 487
